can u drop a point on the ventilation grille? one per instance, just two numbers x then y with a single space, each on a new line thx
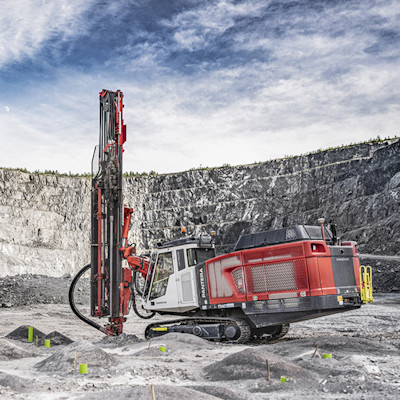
284 276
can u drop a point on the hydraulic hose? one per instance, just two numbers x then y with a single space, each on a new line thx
72 302
133 299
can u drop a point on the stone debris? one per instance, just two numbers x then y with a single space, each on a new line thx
219 392
177 344
121 340
87 353
56 339
366 366
27 289
16 383
372 369
144 392
10 351
251 364
21 333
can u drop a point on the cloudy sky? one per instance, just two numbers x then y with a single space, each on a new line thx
205 82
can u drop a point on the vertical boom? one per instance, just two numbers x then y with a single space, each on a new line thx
107 293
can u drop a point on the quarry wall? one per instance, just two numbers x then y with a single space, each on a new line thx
45 221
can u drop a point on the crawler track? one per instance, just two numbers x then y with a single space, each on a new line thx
244 336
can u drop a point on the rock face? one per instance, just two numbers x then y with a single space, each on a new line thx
358 187
45 224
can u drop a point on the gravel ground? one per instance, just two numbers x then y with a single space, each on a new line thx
364 344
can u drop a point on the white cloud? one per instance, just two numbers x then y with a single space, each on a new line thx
7 109
195 27
186 122
316 91
26 25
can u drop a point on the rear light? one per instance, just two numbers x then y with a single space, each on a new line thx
303 294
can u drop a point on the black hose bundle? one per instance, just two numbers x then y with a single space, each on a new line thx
133 299
72 302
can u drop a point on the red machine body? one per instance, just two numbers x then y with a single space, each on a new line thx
298 269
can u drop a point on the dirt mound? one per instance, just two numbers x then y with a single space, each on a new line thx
122 340
63 360
219 392
251 364
56 339
10 351
27 289
176 344
333 344
21 333
186 339
16 383
144 392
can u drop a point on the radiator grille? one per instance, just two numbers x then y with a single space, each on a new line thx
288 275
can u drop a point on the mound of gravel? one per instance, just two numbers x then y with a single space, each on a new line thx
10 351
56 339
121 340
334 344
251 364
63 360
177 344
219 392
144 392
27 289
185 339
21 333
16 383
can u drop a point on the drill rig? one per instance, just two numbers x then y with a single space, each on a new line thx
270 280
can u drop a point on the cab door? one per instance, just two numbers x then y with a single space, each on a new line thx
186 282
163 292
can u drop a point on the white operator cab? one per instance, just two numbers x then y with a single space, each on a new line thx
174 283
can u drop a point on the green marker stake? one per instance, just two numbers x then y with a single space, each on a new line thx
30 334
47 343
326 355
283 379
162 349
83 368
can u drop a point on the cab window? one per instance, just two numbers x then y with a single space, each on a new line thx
197 256
163 270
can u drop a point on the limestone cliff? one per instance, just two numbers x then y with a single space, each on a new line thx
358 187
44 219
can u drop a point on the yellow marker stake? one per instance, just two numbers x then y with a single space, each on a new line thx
162 349
30 334
83 369
47 343
326 355
283 379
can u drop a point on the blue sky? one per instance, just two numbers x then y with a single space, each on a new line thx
205 82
